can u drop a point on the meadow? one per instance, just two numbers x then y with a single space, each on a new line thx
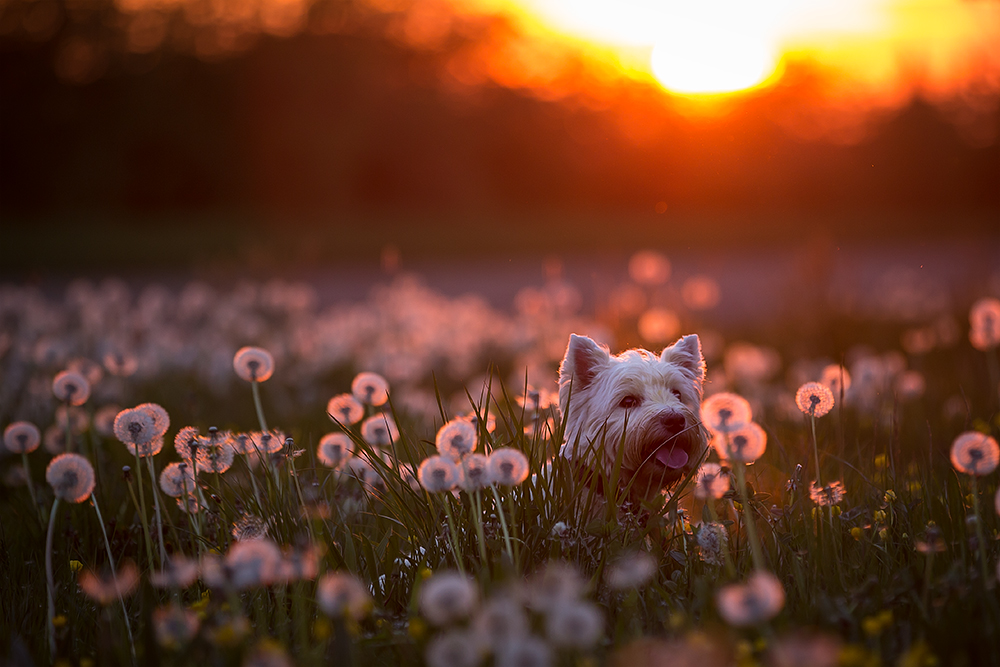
238 475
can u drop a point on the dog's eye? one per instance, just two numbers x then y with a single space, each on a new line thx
677 393
630 402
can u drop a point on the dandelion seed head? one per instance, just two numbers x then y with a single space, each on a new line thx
932 541
334 450
658 325
89 369
379 430
438 474
632 571
54 439
648 267
241 443
120 364
140 425
975 453
300 564
178 572
827 495
174 626
266 443
574 624
370 388
456 439
508 466
910 385
454 648
364 472
189 504
814 399
491 420
104 420
249 527
252 563
341 594
984 318
186 442
725 412
555 584
746 443
161 420
710 482
106 588
177 479
21 437
215 454
346 409
527 651
758 600
447 597
145 449
799 650
712 543
499 621
253 364
71 477
836 378
71 387
475 472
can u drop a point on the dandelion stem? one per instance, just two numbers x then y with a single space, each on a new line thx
50 580
812 423
476 514
755 548
298 490
454 536
156 506
31 489
138 508
256 402
114 575
503 524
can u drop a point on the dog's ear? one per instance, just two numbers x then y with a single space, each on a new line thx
686 353
584 358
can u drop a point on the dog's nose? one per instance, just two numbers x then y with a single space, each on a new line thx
674 422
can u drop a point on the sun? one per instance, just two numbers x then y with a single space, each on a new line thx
700 57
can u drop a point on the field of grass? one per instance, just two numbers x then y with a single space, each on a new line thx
279 552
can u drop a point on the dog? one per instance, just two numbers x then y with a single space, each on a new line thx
647 404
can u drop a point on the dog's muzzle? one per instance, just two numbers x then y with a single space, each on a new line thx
673 450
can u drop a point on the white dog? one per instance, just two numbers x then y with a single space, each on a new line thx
646 403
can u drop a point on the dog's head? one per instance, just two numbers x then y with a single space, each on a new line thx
645 402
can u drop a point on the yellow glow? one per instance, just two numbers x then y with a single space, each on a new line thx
714 46
698 57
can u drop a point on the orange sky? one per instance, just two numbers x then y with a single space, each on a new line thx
871 56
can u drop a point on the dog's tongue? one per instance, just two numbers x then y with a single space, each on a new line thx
672 457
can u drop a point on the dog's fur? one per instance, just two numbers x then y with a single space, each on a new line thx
646 403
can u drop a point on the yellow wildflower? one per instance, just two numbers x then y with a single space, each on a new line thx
417 628
321 628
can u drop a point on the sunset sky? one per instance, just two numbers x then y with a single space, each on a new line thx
310 108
